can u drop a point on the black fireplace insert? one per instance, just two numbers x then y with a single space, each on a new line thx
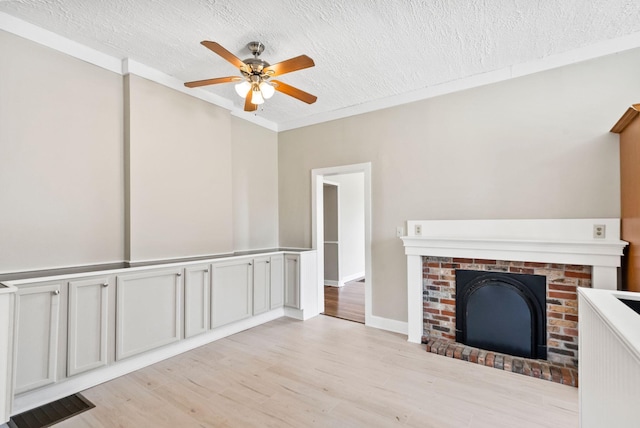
502 312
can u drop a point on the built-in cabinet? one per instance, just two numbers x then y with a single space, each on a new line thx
148 311
87 324
231 291
291 281
36 335
76 324
196 299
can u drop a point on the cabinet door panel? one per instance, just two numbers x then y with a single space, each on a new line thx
36 336
196 300
148 311
231 292
87 338
277 281
261 284
291 280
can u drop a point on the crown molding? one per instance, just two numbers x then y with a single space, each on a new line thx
121 66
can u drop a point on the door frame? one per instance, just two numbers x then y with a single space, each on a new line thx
317 227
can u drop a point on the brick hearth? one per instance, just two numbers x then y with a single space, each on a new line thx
439 316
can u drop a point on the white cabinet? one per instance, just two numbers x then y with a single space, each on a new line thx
148 310
196 300
231 291
277 281
36 335
87 328
291 281
261 284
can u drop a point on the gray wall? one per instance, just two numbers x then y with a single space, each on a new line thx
61 170
532 147
97 168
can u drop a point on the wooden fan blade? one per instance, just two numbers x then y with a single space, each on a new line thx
248 105
205 82
293 64
294 92
217 48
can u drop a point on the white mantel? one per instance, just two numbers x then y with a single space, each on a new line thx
566 241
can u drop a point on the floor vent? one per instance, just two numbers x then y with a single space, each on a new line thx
52 413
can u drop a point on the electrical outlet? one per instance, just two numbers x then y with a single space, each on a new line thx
599 231
399 231
418 230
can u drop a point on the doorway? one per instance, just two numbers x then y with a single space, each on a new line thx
347 273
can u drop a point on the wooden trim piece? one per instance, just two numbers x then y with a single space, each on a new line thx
628 117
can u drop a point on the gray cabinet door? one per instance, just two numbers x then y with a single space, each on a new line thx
277 281
261 284
148 310
196 299
36 335
231 291
291 281
87 330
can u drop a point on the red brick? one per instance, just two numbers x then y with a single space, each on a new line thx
554 315
430 276
583 275
570 317
567 377
457 260
473 357
432 311
432 264
489 359
571 332
448 313
535 265
441 318
484 262
457 354
561 295
447 302
578 268
446 283
562 287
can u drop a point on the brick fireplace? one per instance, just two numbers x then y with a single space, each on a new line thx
564 251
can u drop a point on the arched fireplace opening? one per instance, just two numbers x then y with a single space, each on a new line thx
502 312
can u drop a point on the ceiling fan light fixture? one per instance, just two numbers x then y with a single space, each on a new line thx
243 88
256 97
267 90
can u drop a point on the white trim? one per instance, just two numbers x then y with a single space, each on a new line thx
352 277
44 37
81 382
566 241
332 283
51 40
317 227
388 324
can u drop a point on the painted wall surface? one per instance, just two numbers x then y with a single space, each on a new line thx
179 174
61 169
532 147
255 186
351 209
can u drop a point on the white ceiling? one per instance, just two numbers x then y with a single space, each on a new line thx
365 51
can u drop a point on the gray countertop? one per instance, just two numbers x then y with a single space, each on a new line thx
124 265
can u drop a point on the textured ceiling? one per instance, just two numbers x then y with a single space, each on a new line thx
364 50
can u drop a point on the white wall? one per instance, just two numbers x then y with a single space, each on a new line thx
532 147
351 225
61 168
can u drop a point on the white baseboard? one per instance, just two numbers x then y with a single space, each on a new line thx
332 283
350 278
74 384
387 324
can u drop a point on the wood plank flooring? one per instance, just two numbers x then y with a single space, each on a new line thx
324 372
345 302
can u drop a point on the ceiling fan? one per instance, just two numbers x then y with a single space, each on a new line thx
255 84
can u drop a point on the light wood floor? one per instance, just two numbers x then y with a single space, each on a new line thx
324 372
345 302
